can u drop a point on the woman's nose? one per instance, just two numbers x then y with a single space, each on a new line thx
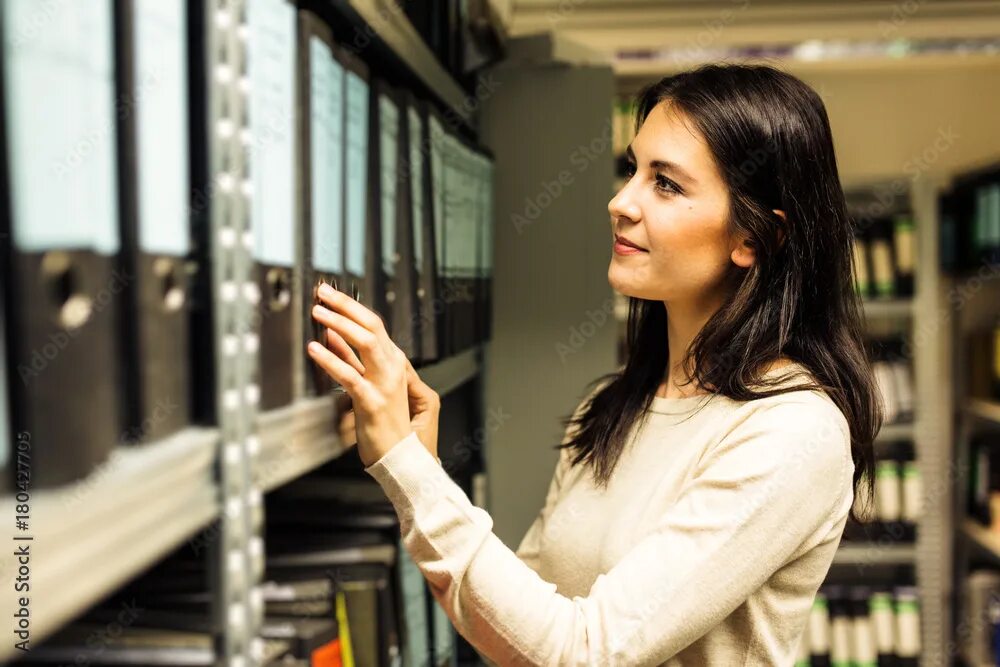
623 205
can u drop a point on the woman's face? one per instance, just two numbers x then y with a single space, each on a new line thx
674 206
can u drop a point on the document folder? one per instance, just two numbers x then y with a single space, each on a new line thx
360 240
394 268
321 125
156 223
271 61
65 282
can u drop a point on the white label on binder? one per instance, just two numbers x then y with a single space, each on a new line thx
388 163
327 159
271 65
487 231
357 172
459 222
416 185
438 150
60 96
161 126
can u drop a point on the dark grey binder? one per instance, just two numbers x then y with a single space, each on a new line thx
61 201
417 199
435 134
460 229
394 267
321 147
155 186
271 62
361 249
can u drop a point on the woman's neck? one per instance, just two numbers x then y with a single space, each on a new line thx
684 321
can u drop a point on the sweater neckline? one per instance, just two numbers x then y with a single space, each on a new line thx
677 405
681 405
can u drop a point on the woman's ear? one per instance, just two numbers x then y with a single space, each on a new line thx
781 229
744 254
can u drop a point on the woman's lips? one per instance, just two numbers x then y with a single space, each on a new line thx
624 247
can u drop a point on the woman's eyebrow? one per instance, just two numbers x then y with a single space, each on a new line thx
664 165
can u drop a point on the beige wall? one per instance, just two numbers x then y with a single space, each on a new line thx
553 330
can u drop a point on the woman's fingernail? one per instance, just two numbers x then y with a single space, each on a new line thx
326 290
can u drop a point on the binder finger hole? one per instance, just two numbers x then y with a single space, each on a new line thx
171 287
278 289
74 308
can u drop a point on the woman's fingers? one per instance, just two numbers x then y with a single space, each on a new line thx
338 369
364 341
347 427
341 303
340 347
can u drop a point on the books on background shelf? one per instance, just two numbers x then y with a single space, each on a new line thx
897 505
862 625
884 257
983 502
980 642
983 362
970 223
894 379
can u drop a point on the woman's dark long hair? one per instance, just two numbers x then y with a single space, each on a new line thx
771 139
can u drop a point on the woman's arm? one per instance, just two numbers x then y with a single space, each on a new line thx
528 550
766 493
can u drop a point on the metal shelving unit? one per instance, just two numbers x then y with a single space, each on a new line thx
932 432
390 23
94 535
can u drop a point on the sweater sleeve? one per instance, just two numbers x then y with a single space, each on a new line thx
528 550
764 494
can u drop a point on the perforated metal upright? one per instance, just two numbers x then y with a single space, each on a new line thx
933 432
237 560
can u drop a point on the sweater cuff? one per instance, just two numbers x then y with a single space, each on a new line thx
408 473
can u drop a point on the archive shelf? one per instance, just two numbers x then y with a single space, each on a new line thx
903 430
390 24
888 308
300 437
984 410
874 553
984 540
87 537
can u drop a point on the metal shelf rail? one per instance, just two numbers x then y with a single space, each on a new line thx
90 539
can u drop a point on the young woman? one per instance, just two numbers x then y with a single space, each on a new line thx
702 490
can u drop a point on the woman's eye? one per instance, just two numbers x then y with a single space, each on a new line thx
665 185
629 170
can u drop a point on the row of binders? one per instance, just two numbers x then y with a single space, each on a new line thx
862 626
970 222
884 257
978 631
339 590
898 500
108 199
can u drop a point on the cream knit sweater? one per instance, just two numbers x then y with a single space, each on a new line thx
707 547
